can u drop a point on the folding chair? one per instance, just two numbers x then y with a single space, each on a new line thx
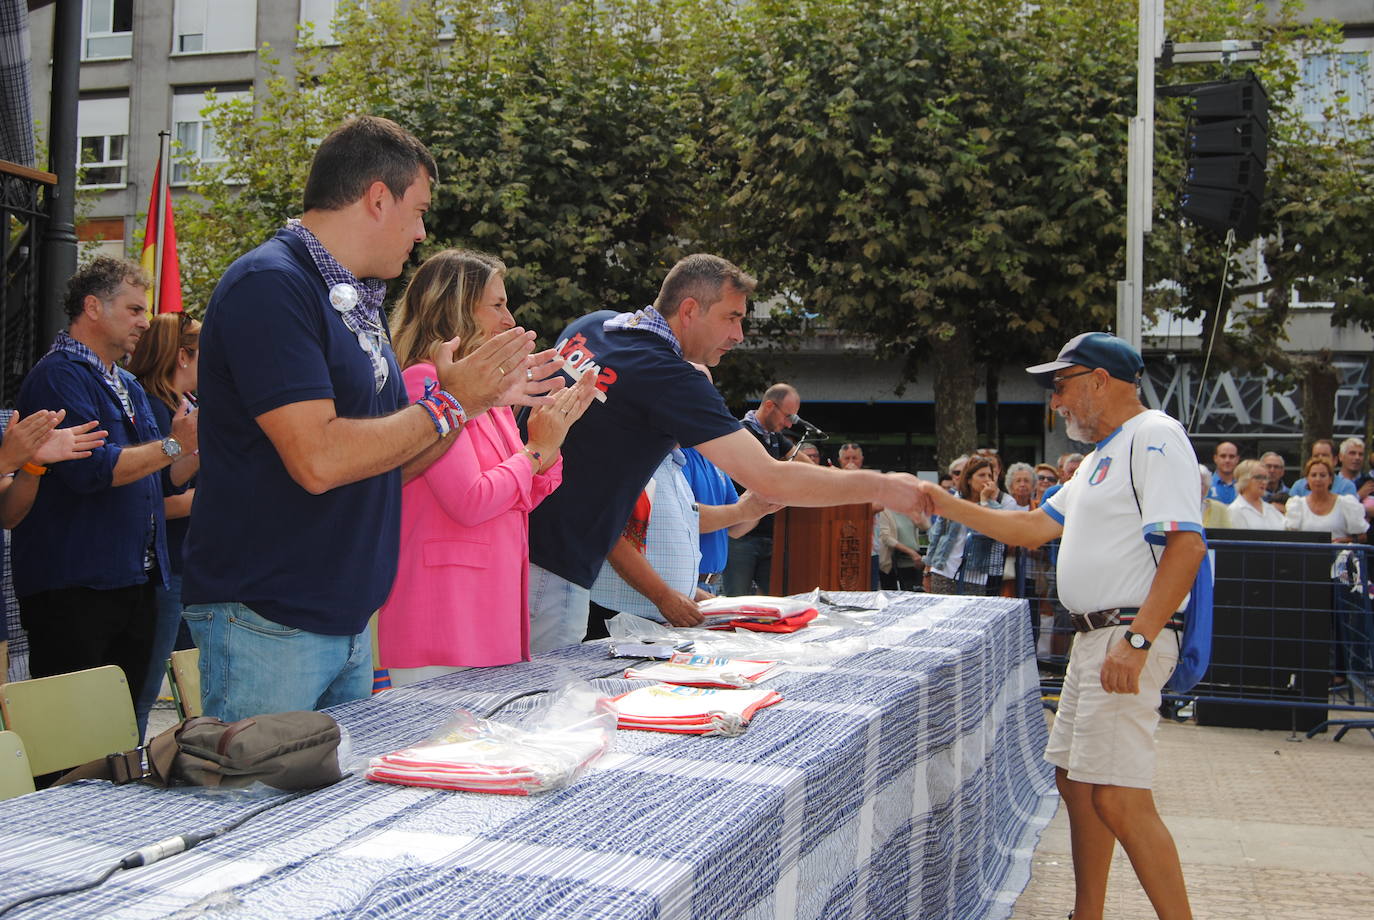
15 776
68 719
183 673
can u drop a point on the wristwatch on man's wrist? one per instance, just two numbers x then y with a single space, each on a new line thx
1137 640
171 447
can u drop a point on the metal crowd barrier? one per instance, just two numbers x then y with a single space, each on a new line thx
1292 641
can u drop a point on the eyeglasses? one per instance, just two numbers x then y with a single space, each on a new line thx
1057 384
1046 477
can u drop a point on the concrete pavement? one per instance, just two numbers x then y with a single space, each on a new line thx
1268 829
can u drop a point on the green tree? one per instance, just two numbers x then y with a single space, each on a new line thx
946 177
566 137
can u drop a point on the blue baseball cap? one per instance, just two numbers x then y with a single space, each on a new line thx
1093 350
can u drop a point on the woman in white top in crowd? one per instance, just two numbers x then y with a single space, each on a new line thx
1250 511
1323 510
1020 483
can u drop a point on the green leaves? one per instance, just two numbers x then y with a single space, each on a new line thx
920 172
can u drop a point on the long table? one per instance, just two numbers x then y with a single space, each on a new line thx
903 782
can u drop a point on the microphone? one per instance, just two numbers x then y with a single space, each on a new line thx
796 421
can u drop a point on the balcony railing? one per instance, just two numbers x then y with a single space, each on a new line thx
23 217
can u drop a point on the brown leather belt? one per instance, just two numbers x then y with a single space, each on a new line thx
1100 619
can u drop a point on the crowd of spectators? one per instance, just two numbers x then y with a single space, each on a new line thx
1334 494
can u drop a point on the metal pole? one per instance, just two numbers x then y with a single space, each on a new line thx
1140 171
59 239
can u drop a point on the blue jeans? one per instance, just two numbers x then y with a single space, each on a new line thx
750 562
558 611
164 639
250 665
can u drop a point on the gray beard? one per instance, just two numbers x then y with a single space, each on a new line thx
1076 431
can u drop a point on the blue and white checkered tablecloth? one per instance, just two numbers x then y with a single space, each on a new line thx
906 782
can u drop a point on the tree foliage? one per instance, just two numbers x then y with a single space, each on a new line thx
947 177
944 176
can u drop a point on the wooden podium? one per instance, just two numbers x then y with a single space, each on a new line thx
829 547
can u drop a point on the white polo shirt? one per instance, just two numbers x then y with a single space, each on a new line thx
1107 556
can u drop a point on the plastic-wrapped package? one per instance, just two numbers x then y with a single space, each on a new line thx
719 611
546 748
691 710
801 650
688 670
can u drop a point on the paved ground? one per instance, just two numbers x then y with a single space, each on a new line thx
1268 828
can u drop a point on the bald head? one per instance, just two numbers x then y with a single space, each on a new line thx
780 402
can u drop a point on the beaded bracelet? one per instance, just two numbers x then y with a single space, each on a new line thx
444 411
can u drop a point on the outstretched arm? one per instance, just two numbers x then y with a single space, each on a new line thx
1015 528
804 485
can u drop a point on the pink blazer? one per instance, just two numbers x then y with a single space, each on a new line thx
460 596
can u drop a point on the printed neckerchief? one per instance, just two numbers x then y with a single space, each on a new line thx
110 374
647 319
358 302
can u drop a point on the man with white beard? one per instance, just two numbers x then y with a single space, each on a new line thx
1131 546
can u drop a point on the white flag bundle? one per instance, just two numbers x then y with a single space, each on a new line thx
545 749
691 710
690 670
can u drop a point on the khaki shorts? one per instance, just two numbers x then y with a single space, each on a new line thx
1107 739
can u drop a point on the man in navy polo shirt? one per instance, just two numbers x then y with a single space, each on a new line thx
294 534
91 550
654 399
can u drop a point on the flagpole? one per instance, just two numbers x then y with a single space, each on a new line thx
162 191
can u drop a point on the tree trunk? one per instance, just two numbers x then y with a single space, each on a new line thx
992 430
956 403
1319 385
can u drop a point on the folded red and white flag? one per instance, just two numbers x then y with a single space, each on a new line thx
691 710
485 764
690 670
756 611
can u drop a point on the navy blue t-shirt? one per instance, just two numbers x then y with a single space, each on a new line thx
654 399
322 563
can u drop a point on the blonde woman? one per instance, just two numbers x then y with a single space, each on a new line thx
460 595
1250 511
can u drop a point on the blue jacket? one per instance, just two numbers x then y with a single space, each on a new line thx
984 557
82 532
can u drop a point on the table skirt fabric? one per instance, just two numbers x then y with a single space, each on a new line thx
906 782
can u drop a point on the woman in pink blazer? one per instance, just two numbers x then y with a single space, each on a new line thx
460 597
